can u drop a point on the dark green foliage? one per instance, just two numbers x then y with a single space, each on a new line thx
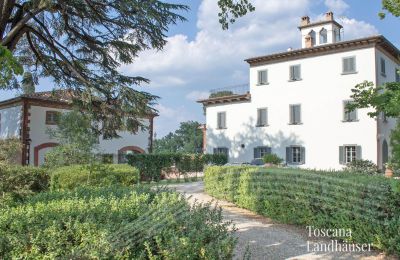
368 205
362 166
17 182
71 177
225 93
232 10
391 6
113 223
151 166
10 149
187 139
273 159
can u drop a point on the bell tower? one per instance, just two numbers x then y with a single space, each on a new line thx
319 33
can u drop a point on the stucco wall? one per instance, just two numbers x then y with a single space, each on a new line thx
10 122
385 127
39 136
321 93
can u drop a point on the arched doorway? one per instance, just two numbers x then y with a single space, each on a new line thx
385 152
128 150
40 151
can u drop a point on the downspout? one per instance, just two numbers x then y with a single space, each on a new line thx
25 132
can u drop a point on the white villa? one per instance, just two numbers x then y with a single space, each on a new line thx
28 117
295 107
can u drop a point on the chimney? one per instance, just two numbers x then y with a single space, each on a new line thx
329 16
305 20
309 43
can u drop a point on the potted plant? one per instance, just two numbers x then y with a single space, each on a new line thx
272 160
389 169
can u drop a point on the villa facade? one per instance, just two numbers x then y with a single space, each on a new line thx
28 117
295 106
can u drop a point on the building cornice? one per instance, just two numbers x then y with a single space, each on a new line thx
320 23
374 41
227 99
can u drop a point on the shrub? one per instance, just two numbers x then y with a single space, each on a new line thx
152 165
223 93
368 205
17 182
10 150
71 177
113 223
272 159
362 166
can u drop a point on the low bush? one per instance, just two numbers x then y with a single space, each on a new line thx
10 149
113 223
151 166
362 166
368 205
17 182
71 177
272 159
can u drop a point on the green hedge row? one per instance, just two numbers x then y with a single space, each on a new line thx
368 205
71 177
113 223
151 166
17 182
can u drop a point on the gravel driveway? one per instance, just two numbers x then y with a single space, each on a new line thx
265 239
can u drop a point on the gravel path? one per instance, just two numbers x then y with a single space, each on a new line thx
265 239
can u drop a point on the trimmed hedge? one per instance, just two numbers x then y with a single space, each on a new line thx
152 165
368 205
113 223
71 177
17 182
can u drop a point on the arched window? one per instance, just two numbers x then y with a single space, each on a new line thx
313 37
337 35
323 36
385 152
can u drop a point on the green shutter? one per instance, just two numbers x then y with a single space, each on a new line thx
341 155
297 115
358 153
289 159
303 155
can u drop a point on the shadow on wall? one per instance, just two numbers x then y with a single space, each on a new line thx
10 122
241 144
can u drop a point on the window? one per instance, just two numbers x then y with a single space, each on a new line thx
221 118
295 155
221 150
261 151
323 36
295 73
349 116
313 37
52 117
262 117
123 156
383 67
397 71
349 65
349 153
262 77
295 114
337 35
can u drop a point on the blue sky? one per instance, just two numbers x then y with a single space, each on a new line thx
200 56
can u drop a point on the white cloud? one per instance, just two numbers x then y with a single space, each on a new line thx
337 6
357 29
197 95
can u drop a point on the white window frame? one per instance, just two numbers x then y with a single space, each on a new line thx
349 71
259 119
259 77
350 153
